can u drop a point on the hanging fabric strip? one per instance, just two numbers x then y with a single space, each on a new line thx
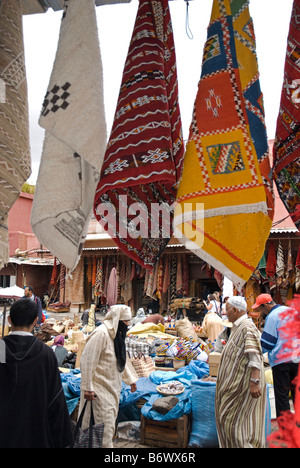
144 155
286 150
15 163
225 206
75 138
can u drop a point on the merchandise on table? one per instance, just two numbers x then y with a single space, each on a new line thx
171 388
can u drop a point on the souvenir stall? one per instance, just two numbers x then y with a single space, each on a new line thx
176 377
224 167
165 366
178 283
278 272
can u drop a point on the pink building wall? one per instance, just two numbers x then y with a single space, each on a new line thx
19 227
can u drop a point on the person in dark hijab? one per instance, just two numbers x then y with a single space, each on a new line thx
59 350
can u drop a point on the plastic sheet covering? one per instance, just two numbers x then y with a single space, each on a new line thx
145 388
183 406
71 383
204 431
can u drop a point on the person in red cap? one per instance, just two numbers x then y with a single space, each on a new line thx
284 371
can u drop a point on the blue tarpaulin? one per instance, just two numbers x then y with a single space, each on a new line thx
71 382
146 388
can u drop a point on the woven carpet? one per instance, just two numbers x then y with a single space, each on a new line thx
224 206
75 137
14 127
286 150
144 155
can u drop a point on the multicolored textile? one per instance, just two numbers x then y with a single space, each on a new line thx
271 261
136 346
75 137
224 207
98 288
286 150
144 155
14 126
74 289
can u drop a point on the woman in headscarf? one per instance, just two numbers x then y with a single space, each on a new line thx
59 350
103 367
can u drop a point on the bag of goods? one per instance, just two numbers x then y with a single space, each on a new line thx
185 328
204 431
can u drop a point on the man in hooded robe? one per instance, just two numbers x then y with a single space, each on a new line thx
33 409
103 368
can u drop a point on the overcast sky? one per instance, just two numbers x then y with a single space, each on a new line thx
115 23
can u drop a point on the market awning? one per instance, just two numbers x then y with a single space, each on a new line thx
14 292
32 261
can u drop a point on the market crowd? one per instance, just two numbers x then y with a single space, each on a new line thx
33 407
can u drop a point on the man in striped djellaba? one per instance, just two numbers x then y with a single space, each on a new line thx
241 389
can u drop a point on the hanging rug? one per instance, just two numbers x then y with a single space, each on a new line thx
224 206
144 155
286 150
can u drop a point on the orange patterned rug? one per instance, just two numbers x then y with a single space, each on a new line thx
224 206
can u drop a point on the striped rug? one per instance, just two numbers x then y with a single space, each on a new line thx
144 154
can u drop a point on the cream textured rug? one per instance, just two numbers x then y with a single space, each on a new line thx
75 138
14 128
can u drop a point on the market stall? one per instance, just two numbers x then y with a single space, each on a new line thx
176 379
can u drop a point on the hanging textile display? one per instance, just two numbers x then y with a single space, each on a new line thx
262 266
98 291
74 287
62 283
75 137
144 154
286 150
280 264
94 271
179 275
185 276
289 273
225 204
54 274
166 278
173 277
89 270
112 288
15 163
160 275
271 261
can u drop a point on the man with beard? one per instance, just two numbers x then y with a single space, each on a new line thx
103 367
